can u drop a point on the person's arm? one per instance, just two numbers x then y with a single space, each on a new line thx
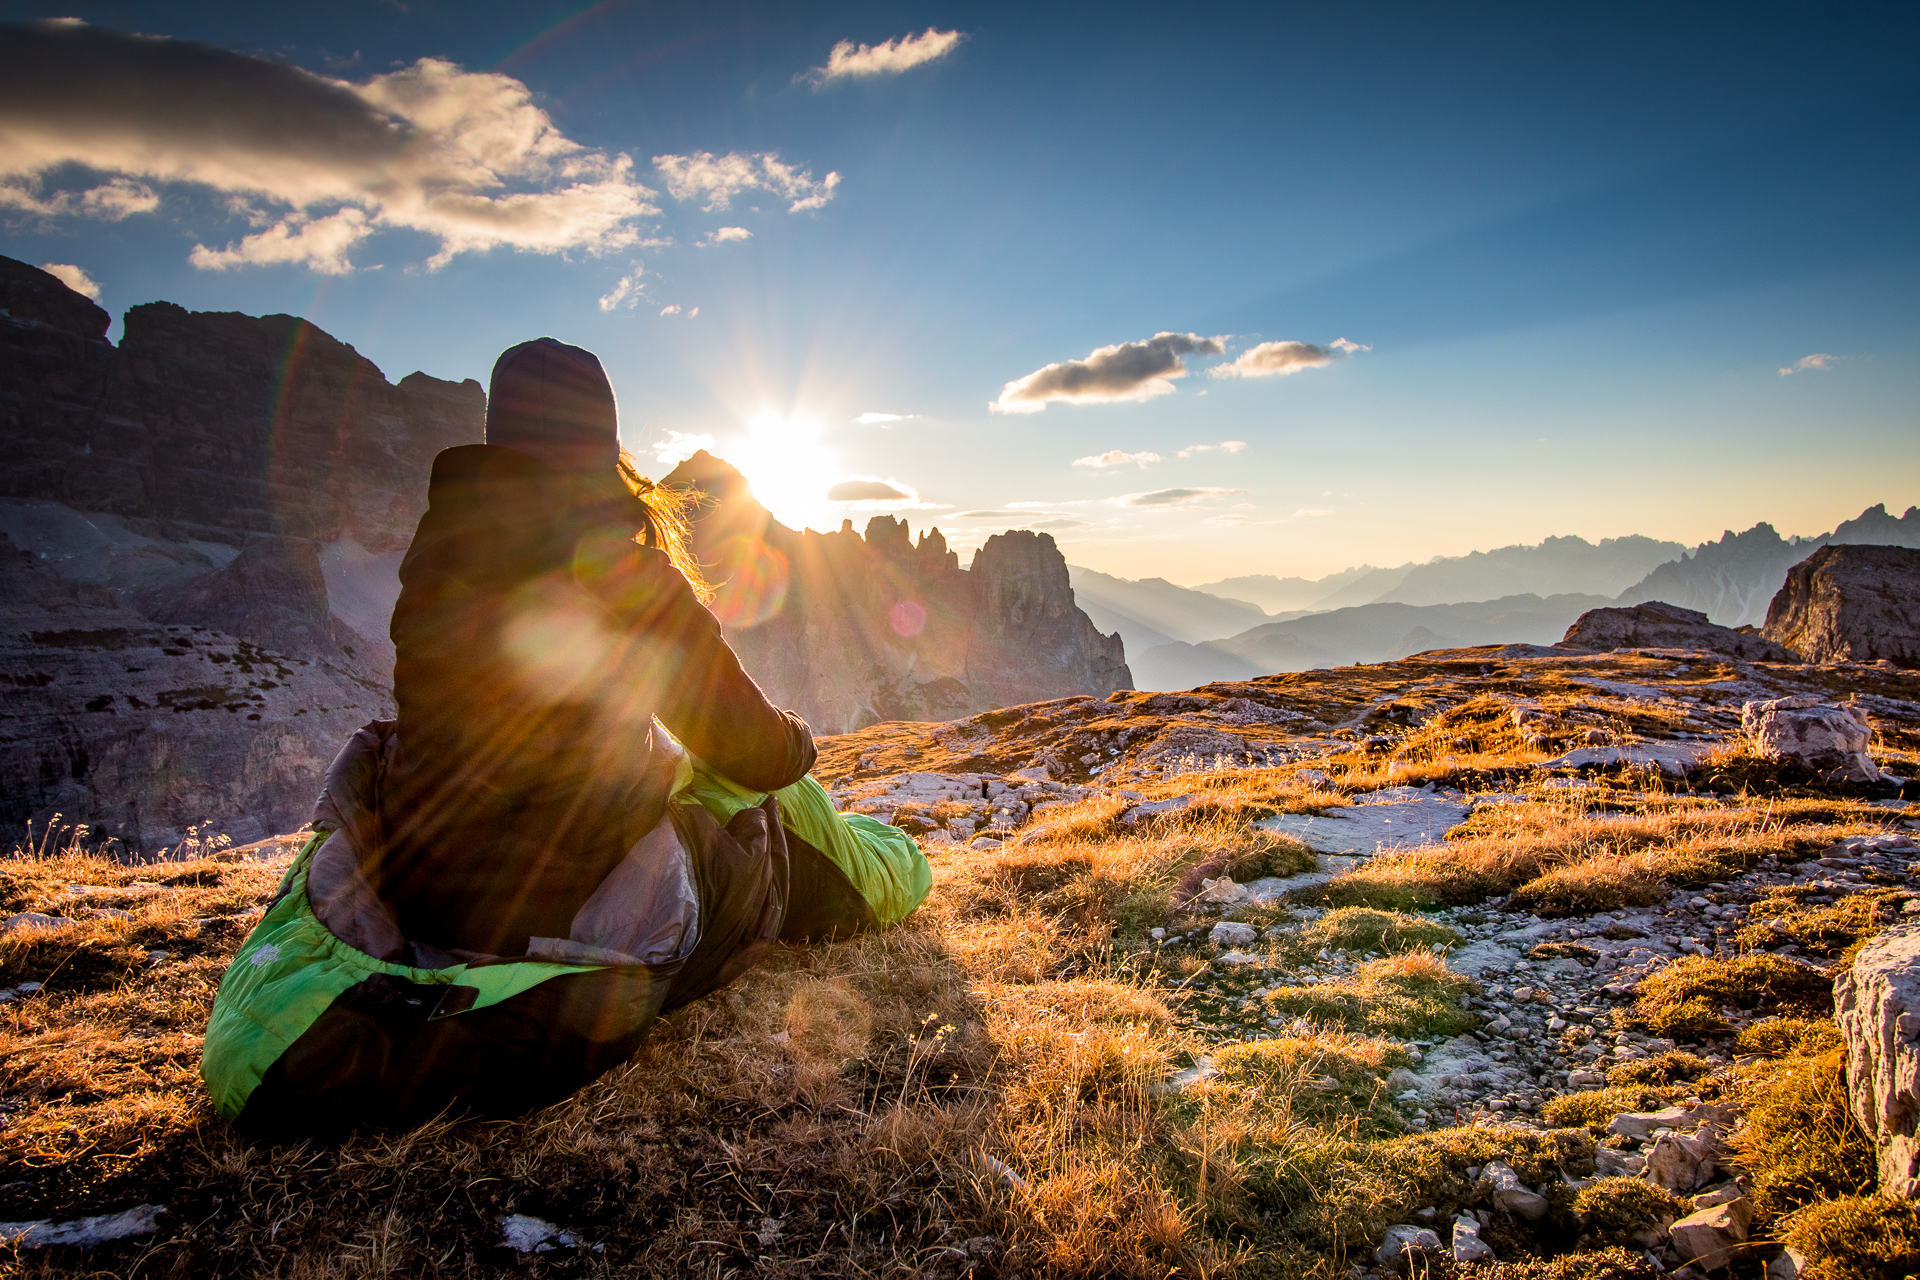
707 700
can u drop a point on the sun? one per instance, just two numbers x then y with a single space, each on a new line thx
789 468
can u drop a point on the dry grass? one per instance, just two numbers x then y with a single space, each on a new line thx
1835 929
1560 860
1801 1143
1858 1238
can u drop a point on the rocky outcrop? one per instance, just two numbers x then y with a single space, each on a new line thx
1877 1004
1733 580
1828 739
853 631
1658 625
199 530
1852 604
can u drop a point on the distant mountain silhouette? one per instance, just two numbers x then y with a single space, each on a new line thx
1363 633
1153 611
1281 595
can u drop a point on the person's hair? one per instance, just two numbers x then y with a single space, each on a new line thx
663 523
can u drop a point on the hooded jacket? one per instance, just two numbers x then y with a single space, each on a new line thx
535 644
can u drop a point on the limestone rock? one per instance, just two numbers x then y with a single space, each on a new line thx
198 535
1404 1238
1828 739
1512 1195
852 632
1711 1238
1232 933
1850 603
1680 1162
1658 625
83 1233
1467 1244
1877 1004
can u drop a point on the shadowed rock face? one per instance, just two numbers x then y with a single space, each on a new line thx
853 631
1658 625
1850 603
197 528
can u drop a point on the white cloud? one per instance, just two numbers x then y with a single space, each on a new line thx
850 61
1126 371
73 277
722 235
322 244
1174 497
673 309
627 292
679 446
1277 359
1305 513
718 179
464 157
1058 524
884 419
1818 362
1225 446
1115 458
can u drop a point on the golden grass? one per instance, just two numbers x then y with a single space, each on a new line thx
1560 860
1684 1000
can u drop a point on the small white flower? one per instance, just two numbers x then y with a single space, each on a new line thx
266 954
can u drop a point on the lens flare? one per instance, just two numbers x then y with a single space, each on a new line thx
750 582
908 618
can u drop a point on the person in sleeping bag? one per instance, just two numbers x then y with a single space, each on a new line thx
585 813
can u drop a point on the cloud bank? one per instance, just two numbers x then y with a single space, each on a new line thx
1818 362
1127 371
1277 359
719 179
318 164
1225 446
850 61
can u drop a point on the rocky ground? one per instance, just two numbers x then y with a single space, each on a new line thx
1475 955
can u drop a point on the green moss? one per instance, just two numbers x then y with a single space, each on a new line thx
1403 996
1800 1142
1683 1000
1603 1264
1678 1067
1778 1037
1595 1107
1365 929
1858 1238
1615 1208
1325 1081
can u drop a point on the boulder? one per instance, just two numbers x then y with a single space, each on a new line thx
1637 1126
1829 739
1711 1238
1402 1239
1850 603
1682 1162
1467 1244
1231 933
1658 625
1513 1195
1877 1004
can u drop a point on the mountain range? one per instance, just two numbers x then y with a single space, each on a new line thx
1521 594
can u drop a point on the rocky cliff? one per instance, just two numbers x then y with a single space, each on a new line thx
1851 604
852 631
199 530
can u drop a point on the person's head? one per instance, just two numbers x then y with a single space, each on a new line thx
553 402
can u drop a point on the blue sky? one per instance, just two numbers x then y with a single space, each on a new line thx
1569 250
